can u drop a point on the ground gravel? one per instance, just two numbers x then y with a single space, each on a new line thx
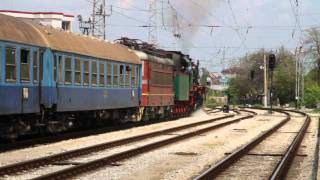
186 159
71 144
302 165
265 156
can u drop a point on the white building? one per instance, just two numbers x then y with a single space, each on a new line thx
55 19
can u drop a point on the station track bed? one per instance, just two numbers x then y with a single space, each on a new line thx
96 164
282 166
33 140
46 139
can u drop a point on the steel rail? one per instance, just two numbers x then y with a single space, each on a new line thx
36 163
248 111
283 166
212 110
70 135
216 169
96 164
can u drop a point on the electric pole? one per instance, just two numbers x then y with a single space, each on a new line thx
153 30
96 24
299 76
223 58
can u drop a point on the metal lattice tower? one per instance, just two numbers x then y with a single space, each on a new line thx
153 31
96 24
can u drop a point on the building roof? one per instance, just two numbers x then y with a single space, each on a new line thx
215 75
28 12
231 70
32 33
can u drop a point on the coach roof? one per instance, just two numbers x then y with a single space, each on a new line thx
29 32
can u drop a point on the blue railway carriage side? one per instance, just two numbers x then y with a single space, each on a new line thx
49 78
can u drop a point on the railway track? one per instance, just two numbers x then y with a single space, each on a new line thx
282 166
32 140
79 133
92 165
212 110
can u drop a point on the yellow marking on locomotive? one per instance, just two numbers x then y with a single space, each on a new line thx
147 94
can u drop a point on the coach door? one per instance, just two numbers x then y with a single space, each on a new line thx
27 61
48 90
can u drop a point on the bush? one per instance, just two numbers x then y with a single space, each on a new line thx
316 110
258 106
312 96
211 103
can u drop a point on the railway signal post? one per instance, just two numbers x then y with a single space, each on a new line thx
272 65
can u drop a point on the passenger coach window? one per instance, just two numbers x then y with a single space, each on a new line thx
133 76
86 73
68 70
122 71
115 75
41 62
94 73
101 78
137 76
55 67
77 63
35 66
128 72
11 64
109 75
25 65
60 69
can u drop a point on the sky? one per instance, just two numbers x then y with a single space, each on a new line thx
216 32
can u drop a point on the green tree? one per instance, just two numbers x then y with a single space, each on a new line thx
284 77
238 88
312 89
250 78
203 78
312 41
312 95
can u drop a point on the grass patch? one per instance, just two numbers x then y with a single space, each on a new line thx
317 110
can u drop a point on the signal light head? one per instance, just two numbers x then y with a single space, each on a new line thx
272 61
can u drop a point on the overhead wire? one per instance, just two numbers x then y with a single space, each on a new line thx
239 29
129 17
296 16
239 33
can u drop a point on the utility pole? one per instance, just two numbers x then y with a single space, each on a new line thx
265 69
94 4
96 24
153 30
299 76
223 58
302 80
296 88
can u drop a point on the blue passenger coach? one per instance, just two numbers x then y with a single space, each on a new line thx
57 75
